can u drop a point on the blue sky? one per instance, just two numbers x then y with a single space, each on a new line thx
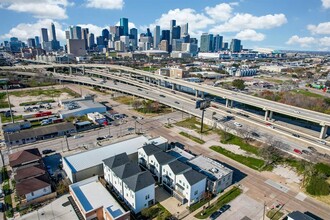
277 24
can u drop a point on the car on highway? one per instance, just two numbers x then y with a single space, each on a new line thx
306 152
48 151
100 138
255 134
237 124
295 111
297 151
224 208
321 142
134 117
215 215
173 92
139 89
312 149
214 106
176 102
296 135
228 111
268 124
78 136
162 96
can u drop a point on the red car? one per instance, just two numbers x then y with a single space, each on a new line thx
297 151
214 106
268 124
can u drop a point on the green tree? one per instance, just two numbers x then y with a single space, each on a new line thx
239 84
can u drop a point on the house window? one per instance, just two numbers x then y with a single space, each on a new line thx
152 161
187 187
133 204
45 189
196 192
170 174
180 181
156 164
163 170
32 193
184 185
147 196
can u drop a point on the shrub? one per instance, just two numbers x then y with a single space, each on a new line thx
317 186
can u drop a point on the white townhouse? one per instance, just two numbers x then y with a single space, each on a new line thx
139 191
112 162
190 187
144 154
170 172
156 163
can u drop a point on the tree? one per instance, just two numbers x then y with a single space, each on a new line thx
239 84
271 154
136 104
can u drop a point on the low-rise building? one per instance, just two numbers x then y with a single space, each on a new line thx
219 177
156 163
95 202
296 215
24 157
144 153
79 107
97 118
170 172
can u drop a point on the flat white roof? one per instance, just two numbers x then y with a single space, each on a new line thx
94 157
92 195
211 168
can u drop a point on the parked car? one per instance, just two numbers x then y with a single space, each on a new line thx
312 149
224 208
215 215
48 151
297 151
237 124
306 152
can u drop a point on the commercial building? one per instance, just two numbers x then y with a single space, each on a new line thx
297 215
76 47
41 133
97 118
156 36
87 164
95 202
124 24
219 177
206 43
79 107
235 46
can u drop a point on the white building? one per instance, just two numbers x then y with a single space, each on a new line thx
145 152
87 164
219 177
95 202
170 172
135 187
156 163
79 107
34 187
190 187
97 118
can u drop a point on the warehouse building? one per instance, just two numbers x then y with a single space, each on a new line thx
87 164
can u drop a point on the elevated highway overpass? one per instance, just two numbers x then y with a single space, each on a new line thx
268 106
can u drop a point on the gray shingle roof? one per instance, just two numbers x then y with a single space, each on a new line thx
139 181
178 167
193 177
151 149
163 158
126 170
116 160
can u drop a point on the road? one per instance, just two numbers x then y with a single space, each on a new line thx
308 115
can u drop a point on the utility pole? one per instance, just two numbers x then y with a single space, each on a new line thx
11 113
67 143
263 215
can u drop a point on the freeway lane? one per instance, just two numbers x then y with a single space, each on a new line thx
243 98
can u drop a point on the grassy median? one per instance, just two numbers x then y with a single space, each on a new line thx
193 138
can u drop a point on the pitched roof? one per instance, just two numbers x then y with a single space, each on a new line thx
126 170
178 167
139 181
31 171
193 177
296 215
30 185
24 156
150 149
116 160
163 158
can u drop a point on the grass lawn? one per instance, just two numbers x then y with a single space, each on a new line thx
191 137
8 119
233 139
251 162
126 100
35 102
222 200
193 124
156 211
274 214
46 92
3 100
307 93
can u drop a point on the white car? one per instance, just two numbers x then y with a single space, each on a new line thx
237 124
321 142
295 111
78 136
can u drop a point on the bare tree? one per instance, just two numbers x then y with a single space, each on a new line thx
271 154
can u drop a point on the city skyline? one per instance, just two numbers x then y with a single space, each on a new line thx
270 25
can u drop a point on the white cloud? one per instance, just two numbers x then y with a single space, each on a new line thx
322 28
197 21
325 41
220 12
302 41
248 21
53 9
326 3
105 4
250 35
27 30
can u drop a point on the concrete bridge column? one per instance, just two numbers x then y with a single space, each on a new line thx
173 86
270 115
227 103
83 70
202 95
324 131
70 70
196 93
231 103
144 78
266 114
159 82
54 70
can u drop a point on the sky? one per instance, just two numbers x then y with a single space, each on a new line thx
274 24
